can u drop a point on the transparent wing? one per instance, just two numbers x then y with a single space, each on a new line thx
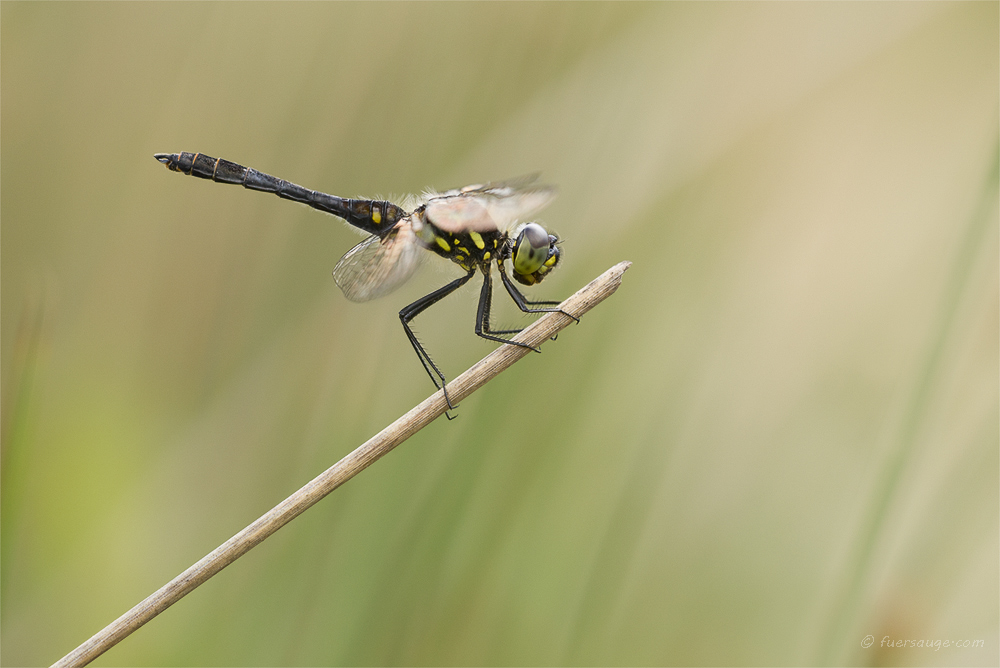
376 267
494 206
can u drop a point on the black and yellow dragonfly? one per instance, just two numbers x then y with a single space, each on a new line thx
475 227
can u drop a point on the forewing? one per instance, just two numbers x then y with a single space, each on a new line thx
459 213
494 206
519 206
376 267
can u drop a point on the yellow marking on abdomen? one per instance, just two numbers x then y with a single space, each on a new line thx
376 216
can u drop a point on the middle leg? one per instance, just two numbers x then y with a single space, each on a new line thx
483 316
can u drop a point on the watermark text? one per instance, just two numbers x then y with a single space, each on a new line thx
921 643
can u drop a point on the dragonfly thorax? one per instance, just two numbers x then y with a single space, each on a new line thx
532 250
468 249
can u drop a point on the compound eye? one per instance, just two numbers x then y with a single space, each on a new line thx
530 249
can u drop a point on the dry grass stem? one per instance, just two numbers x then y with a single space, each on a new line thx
415 420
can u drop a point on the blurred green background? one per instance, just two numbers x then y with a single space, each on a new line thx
778 437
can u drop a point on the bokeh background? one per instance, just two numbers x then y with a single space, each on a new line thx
778 437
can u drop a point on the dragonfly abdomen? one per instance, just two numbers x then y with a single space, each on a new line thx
372 216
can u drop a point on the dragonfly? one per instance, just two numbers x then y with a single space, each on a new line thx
475 227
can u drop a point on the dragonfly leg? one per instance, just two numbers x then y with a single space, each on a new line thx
525 304
483 317
410 312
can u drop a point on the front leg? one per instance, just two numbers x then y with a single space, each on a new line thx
523 303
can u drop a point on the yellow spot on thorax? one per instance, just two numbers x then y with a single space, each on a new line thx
477 239
443 244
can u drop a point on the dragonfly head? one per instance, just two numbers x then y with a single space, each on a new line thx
534 254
